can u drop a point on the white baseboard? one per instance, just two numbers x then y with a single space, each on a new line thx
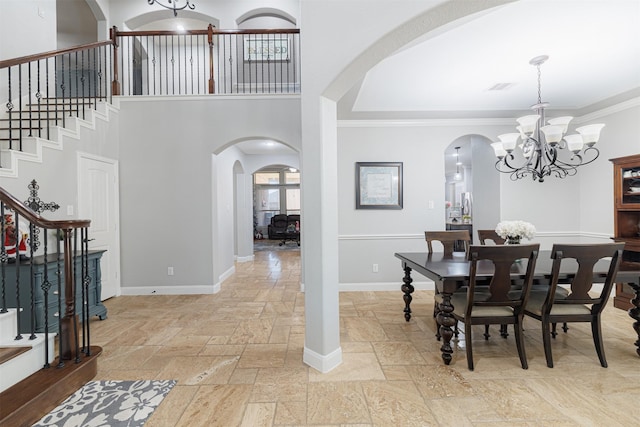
245 258
224 276
170 290
322 363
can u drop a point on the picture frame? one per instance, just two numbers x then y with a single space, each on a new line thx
262 49
378 185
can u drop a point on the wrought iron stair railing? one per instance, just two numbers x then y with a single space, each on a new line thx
64 242
44 90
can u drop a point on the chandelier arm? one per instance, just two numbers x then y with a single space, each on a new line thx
174 8
580 157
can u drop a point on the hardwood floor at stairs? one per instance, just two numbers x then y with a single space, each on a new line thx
26 402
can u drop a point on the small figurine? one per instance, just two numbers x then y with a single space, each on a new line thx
10 239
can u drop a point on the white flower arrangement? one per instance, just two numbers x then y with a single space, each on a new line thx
515 229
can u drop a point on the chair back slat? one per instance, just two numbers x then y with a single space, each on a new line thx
586 256
448 240
505 259
484 235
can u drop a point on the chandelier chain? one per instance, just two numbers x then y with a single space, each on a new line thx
539 85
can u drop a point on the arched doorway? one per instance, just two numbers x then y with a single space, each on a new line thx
472 185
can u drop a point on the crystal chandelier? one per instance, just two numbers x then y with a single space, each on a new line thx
545 150
173 5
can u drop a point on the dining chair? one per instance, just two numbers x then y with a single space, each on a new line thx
484 235
448 240
494 303
581 304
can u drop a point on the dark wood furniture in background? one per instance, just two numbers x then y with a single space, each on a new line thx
450 226
626 220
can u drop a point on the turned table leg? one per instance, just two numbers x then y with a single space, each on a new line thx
446 322
408 289
635 313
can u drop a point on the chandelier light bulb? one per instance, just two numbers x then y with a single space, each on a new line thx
562 121
499 150
590 133
509 141
553 134
574 142
528 123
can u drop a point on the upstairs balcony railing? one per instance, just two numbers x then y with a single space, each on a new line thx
42 90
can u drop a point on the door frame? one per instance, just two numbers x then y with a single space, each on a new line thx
115 237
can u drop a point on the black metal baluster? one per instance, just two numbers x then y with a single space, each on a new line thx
82 81
46 287
20 107
191 61
59 233
185 65
29 102
74 274
250 67
83 293
55 86
87 281
17 265
198 62
32 285
3 260
77 94
10 108
146 39
173 68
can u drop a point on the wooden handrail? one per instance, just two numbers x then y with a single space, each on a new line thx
36 57
214 30
36 219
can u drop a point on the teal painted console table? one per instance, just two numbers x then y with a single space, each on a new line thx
95 306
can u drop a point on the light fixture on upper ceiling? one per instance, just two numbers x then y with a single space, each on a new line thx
545 150
457 176
173 5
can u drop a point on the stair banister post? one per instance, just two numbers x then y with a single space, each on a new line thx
115 84
212 83
69 321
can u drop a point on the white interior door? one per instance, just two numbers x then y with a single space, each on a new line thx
98 198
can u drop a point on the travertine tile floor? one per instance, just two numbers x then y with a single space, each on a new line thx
237 356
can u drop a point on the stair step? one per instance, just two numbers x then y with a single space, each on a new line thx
32 398
8 353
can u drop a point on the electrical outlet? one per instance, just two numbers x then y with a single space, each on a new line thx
431 205
170 271
375 268
69 210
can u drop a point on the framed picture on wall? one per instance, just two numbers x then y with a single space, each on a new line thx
379 185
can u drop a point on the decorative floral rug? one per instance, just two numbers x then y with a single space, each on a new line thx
109 403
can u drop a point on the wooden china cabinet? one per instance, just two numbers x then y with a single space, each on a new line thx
626 217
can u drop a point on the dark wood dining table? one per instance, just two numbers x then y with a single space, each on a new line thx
451 272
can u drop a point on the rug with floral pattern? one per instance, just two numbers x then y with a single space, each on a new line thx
109 403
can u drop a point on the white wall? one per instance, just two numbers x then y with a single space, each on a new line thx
573 209
174 190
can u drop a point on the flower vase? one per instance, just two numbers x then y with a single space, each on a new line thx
513 240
